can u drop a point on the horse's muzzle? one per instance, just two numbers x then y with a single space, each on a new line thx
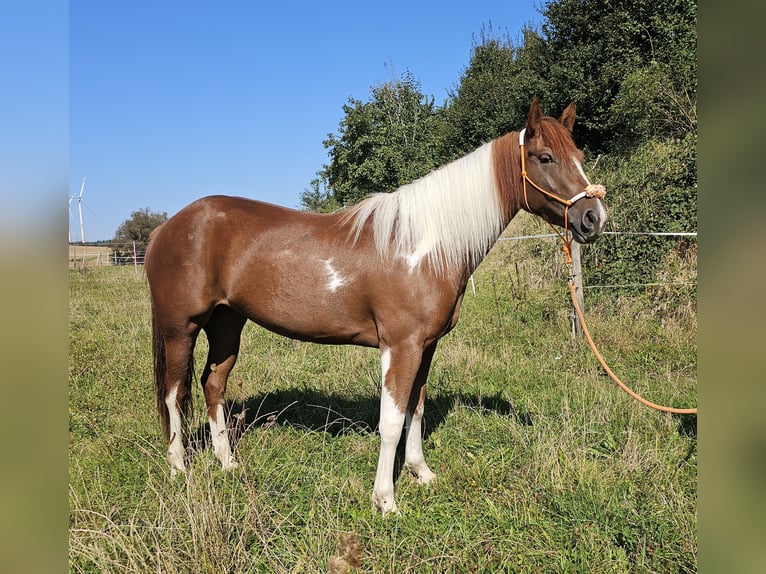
588 224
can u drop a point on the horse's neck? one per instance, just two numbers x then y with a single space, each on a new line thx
472 264
506 169
449 219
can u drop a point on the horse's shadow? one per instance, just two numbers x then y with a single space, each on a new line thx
337 415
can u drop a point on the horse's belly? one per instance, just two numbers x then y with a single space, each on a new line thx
308 316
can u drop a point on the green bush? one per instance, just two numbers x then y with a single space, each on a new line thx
652 190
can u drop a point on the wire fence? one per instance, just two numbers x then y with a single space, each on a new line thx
99 256
687 234
105 255
652 233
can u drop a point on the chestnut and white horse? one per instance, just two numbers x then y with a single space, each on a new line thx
389 272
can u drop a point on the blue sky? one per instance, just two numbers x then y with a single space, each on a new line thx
33 120
170 101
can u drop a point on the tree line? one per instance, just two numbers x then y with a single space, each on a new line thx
631 68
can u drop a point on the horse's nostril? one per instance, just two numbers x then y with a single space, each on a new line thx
590 220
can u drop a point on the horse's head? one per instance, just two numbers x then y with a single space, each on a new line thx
555 186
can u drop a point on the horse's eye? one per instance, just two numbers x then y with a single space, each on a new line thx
546 158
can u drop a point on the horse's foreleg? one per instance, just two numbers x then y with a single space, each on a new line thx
223 333
414 460
399 366
219 432
391 423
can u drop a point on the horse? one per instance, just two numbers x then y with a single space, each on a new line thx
389 272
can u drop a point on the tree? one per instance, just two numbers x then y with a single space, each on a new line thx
493 95
137 229
319 198
631 68
381 144
600 53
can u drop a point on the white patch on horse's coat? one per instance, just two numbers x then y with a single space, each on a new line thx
421 251
220 437
176 447
385 364
334 279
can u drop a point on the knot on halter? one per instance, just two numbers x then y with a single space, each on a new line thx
595 190
592 190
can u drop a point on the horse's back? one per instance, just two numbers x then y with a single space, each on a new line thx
212 230
291 271
191 254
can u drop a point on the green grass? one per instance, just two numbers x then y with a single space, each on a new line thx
543 465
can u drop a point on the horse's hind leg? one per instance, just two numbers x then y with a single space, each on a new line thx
223 332
414 460
177 388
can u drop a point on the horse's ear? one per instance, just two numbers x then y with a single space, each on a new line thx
534 119
567 118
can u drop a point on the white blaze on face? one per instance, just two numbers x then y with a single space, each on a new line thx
334 279
578 165
602 211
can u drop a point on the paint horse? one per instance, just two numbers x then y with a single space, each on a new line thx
389 272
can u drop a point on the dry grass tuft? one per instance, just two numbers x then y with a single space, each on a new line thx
349 555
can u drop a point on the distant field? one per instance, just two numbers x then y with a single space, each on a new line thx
89 255
543 465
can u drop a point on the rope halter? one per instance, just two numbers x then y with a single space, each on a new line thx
596 191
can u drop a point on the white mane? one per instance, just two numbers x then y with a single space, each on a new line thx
448 217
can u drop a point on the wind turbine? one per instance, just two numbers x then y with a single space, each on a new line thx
80 202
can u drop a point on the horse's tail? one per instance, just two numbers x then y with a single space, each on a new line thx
160 370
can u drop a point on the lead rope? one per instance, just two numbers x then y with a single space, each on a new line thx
615 378
595 191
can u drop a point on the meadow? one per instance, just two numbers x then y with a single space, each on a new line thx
542 464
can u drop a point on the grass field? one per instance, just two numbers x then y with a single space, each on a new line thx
543 465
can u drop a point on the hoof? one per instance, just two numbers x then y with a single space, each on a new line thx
385 504
425 477
176 471
176 461
422 475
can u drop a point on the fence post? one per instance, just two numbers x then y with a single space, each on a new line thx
577 278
